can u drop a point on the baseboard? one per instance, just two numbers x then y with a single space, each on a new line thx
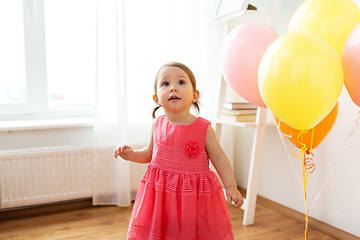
316 224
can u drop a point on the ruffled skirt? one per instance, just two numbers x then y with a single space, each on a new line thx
180 206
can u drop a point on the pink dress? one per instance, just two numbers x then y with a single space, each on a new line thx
179 198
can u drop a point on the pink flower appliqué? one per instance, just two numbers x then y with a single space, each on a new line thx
192 149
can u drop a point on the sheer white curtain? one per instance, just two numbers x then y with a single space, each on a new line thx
134 38
111 176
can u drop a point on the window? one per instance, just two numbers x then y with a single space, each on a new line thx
12 58
48 56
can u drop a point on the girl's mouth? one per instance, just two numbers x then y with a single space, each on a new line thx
173 98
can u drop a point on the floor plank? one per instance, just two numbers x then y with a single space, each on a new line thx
111 222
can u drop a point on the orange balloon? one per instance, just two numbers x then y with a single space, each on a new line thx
320 130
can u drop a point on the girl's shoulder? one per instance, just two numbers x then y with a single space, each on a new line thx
159 120
203 121
162 122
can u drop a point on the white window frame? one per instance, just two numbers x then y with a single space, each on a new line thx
36 105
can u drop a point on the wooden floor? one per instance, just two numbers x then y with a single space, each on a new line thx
111 222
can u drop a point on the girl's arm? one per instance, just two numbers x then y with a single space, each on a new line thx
143 155
223 167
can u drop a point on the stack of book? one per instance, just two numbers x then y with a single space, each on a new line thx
238 112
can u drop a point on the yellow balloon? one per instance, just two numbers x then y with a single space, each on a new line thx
300 79
332 20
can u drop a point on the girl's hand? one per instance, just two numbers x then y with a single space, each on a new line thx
234 196
124 152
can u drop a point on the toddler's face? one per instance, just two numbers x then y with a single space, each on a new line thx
175 92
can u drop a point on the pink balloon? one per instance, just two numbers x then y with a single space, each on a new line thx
351 62
240 57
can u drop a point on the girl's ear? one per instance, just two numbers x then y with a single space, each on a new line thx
196 95
156 100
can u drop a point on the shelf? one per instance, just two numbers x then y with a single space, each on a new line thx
272 18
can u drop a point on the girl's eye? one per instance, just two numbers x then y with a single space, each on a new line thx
182 82
164 84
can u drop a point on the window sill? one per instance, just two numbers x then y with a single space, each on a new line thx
23 125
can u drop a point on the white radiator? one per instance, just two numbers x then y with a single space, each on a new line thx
44 176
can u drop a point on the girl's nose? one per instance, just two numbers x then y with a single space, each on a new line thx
173 89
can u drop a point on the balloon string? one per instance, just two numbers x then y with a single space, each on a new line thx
310 161
330 173
305 178
355 128
278 126
353 131
308 164
303 148
304 169
324 183
288 154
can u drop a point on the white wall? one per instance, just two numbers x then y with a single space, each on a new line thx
337 204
